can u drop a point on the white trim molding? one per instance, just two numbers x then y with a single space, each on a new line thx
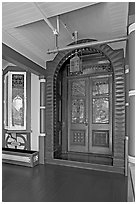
131 159
42 107
132 93
126 104
131 28
42 80
42 134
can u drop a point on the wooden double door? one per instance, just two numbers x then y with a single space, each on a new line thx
90 114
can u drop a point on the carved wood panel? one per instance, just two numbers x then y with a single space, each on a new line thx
78 137
100 138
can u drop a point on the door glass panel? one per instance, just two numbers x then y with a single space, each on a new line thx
100 110
78 88
78 111
100 87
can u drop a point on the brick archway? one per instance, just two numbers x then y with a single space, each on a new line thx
116 58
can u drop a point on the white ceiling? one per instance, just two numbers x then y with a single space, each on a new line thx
25 30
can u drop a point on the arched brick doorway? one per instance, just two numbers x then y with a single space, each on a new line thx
116 143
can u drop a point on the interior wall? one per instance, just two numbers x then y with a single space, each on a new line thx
35 104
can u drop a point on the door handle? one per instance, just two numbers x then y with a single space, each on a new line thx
86 122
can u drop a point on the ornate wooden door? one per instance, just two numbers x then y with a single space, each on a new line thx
100 119
90 114
77 115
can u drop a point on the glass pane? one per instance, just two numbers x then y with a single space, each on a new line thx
17 100
78 111
101 110
78 88
100 87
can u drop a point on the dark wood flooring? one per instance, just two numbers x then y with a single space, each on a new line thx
46 183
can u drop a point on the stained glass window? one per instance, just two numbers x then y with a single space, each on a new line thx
15 101
100 100
100 87
78 88
78 111
100 110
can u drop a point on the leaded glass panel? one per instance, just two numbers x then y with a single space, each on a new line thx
17 100
78 111
100 87
101 110
78 88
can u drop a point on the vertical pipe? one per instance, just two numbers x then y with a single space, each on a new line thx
58 24
42 121
126 156
76 36
131 47
127 99
56 41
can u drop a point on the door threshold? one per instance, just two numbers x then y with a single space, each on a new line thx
86 158
77 164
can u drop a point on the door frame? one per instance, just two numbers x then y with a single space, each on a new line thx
116 58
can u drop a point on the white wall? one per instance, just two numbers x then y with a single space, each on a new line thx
35 104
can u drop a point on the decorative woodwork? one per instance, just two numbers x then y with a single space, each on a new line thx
89 110
17 140
115 70
100 138
77 137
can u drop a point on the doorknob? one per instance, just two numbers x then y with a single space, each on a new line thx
86 122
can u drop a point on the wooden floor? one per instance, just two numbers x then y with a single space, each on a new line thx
46 183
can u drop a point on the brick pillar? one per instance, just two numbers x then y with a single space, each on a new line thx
42 120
